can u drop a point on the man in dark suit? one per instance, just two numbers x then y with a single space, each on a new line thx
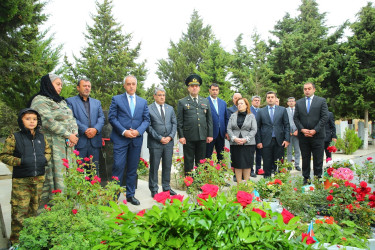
255 104
310 117
90 120
272 133
129 117
330 134
162 129
219 120
194 123
233 109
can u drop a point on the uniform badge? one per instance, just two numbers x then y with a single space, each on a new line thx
187 105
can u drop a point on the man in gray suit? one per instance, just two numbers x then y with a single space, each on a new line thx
162 129
294 143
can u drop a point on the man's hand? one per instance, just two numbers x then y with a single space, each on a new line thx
182 140
134 132
260 145
209 139
307 132
129 134
165 140
285 144
295 133
91 132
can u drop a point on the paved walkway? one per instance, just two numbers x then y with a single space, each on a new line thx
142 193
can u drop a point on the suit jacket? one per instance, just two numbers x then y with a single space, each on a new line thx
330 128
253 110
248 129
160 128
316 119
231 110
280 126
292 125
220 120
96 118
194 121
121 119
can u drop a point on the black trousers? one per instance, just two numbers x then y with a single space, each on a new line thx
270 154
194 151
218 143
314 146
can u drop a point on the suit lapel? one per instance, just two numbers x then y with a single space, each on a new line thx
82 106
126 104
155 110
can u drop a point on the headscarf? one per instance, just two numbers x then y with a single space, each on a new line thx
47 89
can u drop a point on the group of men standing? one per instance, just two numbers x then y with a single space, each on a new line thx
201 124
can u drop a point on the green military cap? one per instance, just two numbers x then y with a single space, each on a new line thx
193 79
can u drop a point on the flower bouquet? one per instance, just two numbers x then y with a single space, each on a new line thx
143 167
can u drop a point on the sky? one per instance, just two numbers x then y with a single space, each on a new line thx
156 23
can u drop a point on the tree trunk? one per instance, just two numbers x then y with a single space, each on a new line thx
365 138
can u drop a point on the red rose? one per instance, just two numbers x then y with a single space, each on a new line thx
80 170
91 156
244 198
210 189
329 171
56 191
329 198
97 178
76 152
277 181
93 182
87 178
188 180
260 171
66 165
141 213
65 160
177 197
369 158
162 197
287 216
226 149
309 239
331 191
202 161
363 184
74 211
178 160
260 211
86 159
218 167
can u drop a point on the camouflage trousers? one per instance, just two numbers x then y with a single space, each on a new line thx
24 201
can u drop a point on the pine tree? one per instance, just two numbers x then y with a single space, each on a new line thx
250 67
184 58
26 54
215 69
108 57
303 50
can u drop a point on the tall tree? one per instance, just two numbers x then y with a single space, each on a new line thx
184 58
303 50
357 83
108 57
250 68
26 54
215 69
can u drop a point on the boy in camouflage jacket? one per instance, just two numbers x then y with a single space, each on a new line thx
28 152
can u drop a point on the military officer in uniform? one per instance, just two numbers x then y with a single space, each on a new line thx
194 123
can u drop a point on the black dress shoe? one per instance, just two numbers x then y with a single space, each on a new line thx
253 174
133 201
171 192
153 193
306 181
298 168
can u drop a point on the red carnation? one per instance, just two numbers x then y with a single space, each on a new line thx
287 216
188 180
141 213
244 198
309 239
260 211
162 197
177 197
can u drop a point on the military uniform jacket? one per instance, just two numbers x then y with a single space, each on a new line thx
194 121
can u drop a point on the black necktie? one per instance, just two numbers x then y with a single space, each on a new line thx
162 112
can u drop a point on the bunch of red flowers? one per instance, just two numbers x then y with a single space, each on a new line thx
276 181
332 149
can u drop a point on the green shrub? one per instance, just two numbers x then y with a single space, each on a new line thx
349 143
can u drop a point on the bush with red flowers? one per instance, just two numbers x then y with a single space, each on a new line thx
143 168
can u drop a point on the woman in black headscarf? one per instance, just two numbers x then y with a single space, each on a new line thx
59 128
